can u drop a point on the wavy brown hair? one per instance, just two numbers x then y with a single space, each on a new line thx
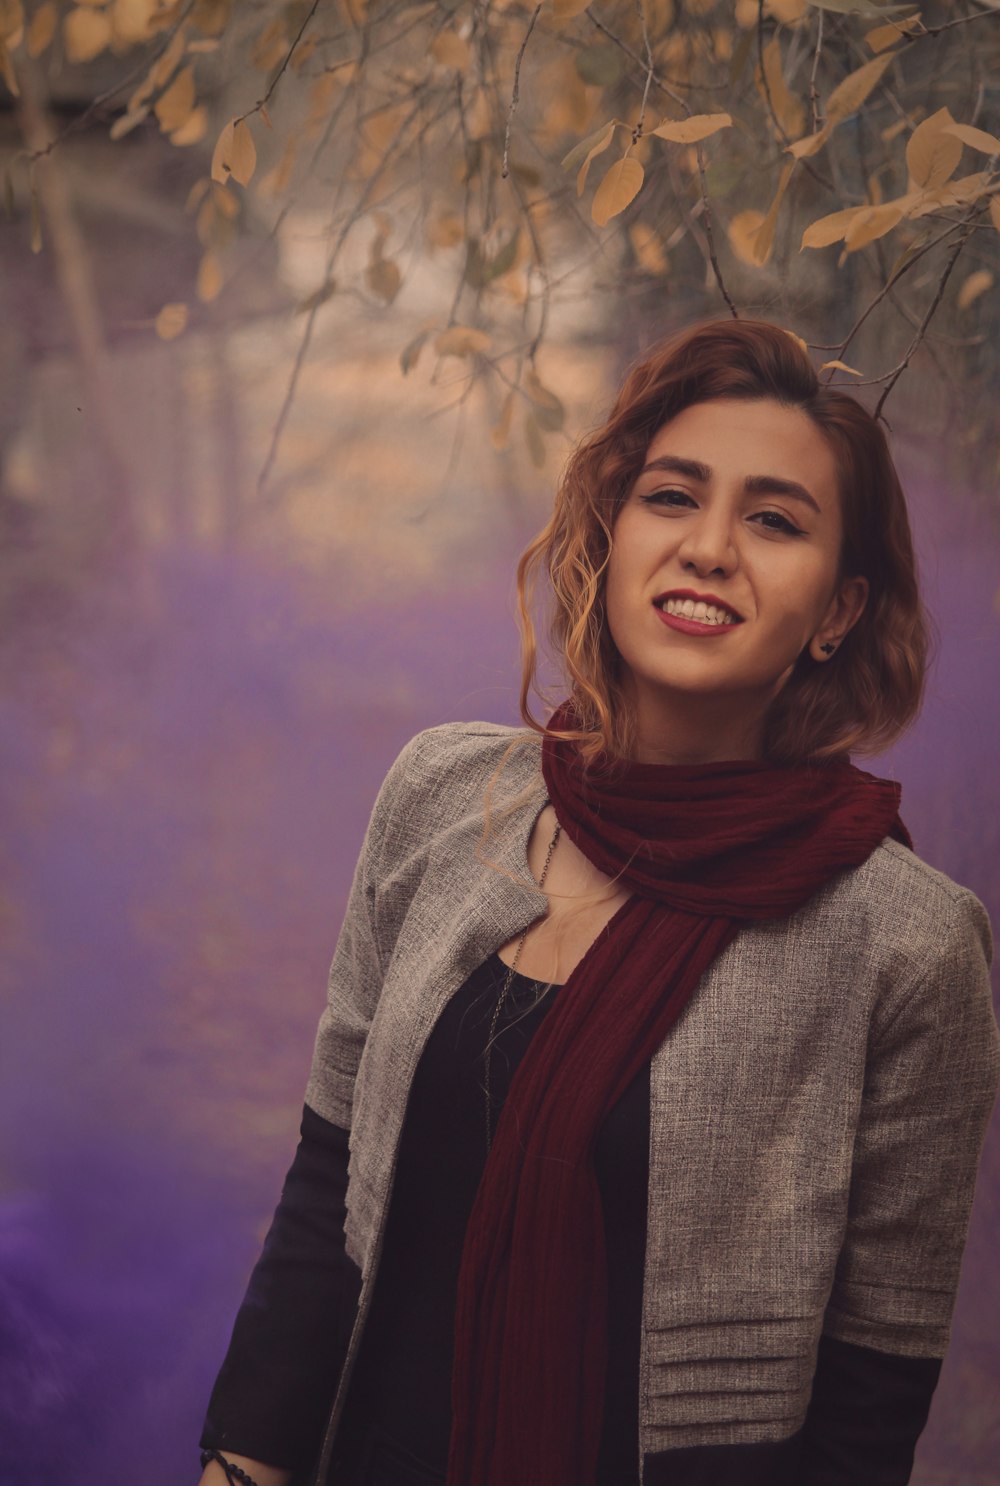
862 700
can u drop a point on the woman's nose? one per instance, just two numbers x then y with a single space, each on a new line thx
708 545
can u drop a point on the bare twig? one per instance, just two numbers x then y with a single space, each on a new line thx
262 102
897 371
515 94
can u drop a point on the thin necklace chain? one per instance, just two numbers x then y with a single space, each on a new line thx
501 999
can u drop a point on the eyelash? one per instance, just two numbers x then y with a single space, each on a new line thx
786 526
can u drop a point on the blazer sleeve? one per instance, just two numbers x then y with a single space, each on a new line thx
363 947
931 1077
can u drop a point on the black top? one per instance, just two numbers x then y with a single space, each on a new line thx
273 1393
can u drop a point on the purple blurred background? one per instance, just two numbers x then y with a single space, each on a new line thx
185 778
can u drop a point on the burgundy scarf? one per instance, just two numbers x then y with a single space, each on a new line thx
705 848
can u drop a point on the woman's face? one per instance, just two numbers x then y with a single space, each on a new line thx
736 507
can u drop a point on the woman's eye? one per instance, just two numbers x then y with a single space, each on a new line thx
774 521
666 497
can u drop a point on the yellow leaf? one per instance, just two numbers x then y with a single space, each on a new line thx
883 36
235 154
565 10
841 366
173 107
449 49
42 28
763 240
132 19
647 245
873 222
599 144
953 193
932 155
446 231
687 131
126 122
194 128
848 96
798 340
500 432
7 69
977 283
171 320
977 139
742 231
621 184
86 33
462 340
209 277
383 278
788 109
831 228
812 142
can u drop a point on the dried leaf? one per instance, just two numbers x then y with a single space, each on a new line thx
383 278
841 366
565 10
953 193
884 36
873 222
788 110
798 340
848 96
265 116
194 128
977 139
932 155
132 20
742 232
410 354
620 185
647 244
86 33
587 151
126 122
319 296
209 280
810 144
687 131
450 50
977 283
763 241
995 212
831 228
171 320
7 70
462 340
549 410
173 107
42 28
235 154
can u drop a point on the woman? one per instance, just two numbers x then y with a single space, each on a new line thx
666 1063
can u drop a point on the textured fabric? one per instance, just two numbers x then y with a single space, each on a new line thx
702 848
817 1111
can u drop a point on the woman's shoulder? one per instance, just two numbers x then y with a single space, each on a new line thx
909 909
447 768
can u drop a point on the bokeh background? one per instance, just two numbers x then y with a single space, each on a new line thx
202 684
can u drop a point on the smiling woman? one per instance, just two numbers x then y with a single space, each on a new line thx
663 1063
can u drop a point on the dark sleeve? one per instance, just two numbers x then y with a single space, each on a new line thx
865 1415
276 1385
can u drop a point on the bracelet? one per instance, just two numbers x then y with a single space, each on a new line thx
233 1472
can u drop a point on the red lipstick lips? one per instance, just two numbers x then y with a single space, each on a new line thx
695 626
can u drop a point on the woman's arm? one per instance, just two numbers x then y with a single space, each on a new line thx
933 1068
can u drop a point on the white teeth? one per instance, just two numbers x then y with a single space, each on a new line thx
699 610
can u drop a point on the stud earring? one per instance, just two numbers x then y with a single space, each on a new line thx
828 649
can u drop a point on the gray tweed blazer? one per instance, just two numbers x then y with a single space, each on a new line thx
817 1112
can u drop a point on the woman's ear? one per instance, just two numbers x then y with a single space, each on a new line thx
846 608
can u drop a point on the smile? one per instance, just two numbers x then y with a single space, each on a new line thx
695 616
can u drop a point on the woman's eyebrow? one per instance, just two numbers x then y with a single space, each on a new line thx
753 484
